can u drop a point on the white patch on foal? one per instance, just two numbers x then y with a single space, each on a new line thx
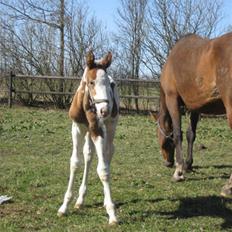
101 141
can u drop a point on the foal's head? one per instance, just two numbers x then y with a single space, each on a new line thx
99 86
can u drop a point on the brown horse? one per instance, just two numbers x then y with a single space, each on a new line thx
198 76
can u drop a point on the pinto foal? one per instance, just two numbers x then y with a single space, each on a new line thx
94 112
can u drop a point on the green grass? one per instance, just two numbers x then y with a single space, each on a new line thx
35 148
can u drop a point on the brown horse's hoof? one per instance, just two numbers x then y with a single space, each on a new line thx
188 167
168 164
178 174
227 191
178 178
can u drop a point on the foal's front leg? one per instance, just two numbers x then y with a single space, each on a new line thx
103 170
78 133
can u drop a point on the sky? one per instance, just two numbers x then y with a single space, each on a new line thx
106 11
227 13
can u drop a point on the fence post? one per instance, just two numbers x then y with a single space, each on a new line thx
10 89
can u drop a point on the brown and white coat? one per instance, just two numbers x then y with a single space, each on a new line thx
94 112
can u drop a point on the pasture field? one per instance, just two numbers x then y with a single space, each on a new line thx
35 148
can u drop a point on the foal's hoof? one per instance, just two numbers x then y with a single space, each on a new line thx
78 206
113 223
61 214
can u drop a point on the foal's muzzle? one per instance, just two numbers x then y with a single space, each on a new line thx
103 110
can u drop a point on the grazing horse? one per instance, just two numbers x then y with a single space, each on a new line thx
198 76
94 112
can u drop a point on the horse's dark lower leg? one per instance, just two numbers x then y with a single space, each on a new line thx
191 135
227 188
174 111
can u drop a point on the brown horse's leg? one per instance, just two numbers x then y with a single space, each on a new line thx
174 111
229 115
191 135
227 188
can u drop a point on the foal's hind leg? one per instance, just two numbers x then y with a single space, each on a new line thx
191 135
88 155
174 111
77 137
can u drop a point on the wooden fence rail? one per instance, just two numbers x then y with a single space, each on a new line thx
13 89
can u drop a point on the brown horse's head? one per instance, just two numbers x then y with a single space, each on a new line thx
165 137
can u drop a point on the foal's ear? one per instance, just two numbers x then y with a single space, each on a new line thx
115 110
106 61
90 59
112 85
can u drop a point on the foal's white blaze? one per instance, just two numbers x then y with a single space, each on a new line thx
103 94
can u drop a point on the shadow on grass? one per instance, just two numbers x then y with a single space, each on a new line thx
207 206
212 166
200 170
189 178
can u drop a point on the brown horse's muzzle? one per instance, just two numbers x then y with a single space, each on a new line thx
167 151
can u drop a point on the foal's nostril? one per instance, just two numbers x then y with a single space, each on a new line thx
104 112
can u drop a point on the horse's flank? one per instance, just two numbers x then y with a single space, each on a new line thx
195 69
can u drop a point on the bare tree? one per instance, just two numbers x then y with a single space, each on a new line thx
48 37
49 13
83 32
169 20
130 38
